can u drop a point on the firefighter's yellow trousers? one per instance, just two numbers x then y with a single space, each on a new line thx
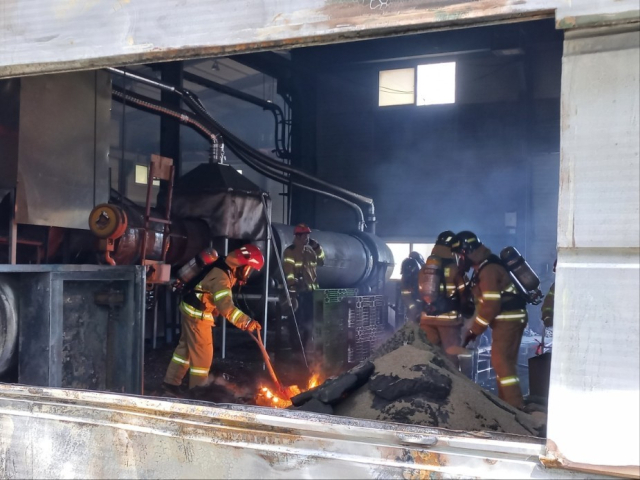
194 353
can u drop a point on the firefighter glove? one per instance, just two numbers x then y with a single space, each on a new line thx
252 325
469 336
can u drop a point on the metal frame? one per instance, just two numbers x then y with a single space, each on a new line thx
97 435
41 322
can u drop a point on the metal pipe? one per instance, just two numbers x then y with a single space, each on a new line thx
224 321
278 114
145 80
266 276
137 100
196 105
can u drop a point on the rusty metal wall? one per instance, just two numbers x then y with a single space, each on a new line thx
55 433
47 36
594 374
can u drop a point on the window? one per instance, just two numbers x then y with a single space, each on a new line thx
401 251
396 87
436 83
142 173
423 249
431 84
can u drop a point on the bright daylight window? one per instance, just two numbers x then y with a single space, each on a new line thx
436 83
142 173
401 251
396 87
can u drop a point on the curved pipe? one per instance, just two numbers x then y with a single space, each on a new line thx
196 105
154 106
146 103
278 114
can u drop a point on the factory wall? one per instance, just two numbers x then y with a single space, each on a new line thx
487 163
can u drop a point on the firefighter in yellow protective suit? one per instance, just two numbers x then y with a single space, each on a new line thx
441 286
499 306
300 262
210 298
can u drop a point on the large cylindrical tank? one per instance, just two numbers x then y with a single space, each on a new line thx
357 259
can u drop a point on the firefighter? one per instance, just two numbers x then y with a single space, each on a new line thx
442 285
211 297
409 286
300 262
499 306
547 305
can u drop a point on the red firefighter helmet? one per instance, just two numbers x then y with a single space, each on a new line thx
248 257
301 229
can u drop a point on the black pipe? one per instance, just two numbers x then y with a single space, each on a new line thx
154 106
278 114
196 105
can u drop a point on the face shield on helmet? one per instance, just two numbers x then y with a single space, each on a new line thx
247 258
243 274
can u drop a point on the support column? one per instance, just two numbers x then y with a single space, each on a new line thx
594 400
170 127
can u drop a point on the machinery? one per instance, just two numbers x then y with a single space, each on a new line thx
76 220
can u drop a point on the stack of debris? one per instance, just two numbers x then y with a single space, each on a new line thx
408 380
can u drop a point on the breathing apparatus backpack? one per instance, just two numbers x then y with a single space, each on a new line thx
194 271
433 287
522 275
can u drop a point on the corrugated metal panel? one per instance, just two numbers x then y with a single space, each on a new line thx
53 433
43 36
594 400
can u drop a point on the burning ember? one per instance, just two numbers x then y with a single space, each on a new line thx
268 398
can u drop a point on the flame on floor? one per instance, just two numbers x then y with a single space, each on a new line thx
267 397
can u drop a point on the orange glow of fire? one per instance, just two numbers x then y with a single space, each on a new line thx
268 398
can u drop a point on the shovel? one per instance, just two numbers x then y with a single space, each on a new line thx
286 391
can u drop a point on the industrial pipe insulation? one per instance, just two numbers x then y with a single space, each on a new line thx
236 144
239 148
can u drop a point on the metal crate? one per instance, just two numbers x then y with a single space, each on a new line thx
81 326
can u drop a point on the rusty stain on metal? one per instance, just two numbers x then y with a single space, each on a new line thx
553 458
331 22
127 436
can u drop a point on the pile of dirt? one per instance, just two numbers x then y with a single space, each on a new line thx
411 381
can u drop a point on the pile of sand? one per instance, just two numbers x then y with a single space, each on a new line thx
414 383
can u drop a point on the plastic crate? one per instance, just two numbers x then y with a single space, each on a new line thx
366 321
329 327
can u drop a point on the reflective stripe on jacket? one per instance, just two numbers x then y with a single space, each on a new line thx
214 294
300 267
